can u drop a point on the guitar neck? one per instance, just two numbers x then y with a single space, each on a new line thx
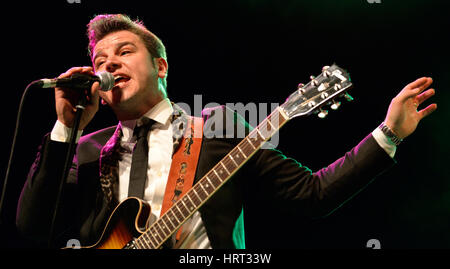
182 210
320 91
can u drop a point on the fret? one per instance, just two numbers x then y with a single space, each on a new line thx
163 225
209 181
200 199
283 114
214 170
208 186
147 240
196 200
184 209
257 130
247 148
237 156
239 148
191 197
201 193
179 210
270 123
256 139
201 186
168 224
171 223
215 182
174 217
224 167
250 142
187 200
266 131
140 244
232 159
161 230
155 235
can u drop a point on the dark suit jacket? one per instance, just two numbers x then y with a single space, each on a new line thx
277 179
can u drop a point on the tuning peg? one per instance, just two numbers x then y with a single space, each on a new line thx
314 81
335 105
337 87
322 114
300 88
324 95
325 71
348 97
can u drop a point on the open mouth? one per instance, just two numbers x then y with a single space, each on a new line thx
120 80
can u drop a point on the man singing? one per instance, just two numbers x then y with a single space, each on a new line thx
102 172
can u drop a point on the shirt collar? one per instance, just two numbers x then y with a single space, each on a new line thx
160 113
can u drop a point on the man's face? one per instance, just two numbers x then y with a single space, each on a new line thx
136 74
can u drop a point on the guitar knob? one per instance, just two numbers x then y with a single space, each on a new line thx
322 114
348 97
335 105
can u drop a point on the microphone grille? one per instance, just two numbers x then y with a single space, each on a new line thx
106 80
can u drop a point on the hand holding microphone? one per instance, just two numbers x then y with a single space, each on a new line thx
67 92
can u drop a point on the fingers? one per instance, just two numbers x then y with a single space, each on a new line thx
416 87
424 96
423 82
73 70
427 111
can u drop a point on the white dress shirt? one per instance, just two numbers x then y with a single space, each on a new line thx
159 161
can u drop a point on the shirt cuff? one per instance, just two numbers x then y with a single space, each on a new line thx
384 142
61 133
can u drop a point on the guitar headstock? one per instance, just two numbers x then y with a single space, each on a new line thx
322 90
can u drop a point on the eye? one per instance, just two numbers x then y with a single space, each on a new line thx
125 52
99 64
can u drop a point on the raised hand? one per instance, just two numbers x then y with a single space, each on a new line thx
403 114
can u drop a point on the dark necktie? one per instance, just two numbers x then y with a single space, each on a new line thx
139 161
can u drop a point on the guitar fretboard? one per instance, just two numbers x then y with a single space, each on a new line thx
183 209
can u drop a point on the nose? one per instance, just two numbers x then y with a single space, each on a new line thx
112 65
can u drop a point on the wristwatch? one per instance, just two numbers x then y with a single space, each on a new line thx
390 134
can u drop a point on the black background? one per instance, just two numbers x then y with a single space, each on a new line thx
258 51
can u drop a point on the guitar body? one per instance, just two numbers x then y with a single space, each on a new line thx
125 223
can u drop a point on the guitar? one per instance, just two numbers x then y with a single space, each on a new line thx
122 229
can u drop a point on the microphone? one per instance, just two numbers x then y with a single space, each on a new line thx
80 81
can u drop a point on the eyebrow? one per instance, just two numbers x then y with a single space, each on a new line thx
118 46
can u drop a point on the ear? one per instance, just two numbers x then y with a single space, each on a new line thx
162 66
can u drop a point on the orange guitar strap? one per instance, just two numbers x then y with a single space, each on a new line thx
184 165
